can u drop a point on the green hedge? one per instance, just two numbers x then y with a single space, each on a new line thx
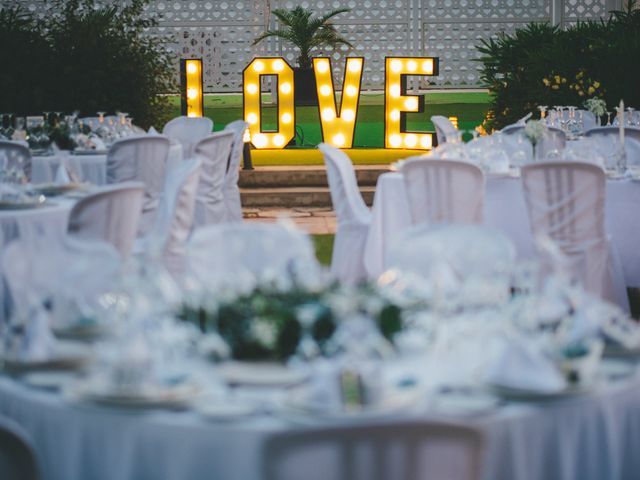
83 55
543 65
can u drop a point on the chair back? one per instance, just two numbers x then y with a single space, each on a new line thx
188 131
391 451
343 185
231 190
444 191
111 214
18 459
445 130
168 236
554 139
608 140
229 252
143 159
214 152
15 155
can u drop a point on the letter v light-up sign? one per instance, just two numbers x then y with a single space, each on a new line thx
286 118
397 103
338 127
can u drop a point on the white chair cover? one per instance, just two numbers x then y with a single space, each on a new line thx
566 202
188 131
468 249
168 236
413 450
445 130
521 122
18 459
144 159
444 191
15 155
244 253
111 214
214 152
353 215
608 140
231 191
60 271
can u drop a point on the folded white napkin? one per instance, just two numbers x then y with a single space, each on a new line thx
523 366
153 131
62 175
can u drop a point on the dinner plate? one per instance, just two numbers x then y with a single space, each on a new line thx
526 395
81 332
170 396
48 380
620 352
51 189
39 201
464 402
297 408
89 152
225 410
66 356
260 374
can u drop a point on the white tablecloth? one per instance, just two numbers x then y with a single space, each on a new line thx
591 437
90 168
505 209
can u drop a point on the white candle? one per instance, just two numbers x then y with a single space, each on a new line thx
621 123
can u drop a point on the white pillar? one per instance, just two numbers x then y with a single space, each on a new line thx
557 12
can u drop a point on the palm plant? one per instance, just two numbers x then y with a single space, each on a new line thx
306 32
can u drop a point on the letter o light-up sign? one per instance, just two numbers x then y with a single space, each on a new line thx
397 103
253 102
338 127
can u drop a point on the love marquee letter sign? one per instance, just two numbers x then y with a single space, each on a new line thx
337 122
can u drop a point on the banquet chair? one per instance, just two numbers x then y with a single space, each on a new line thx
214 151
443 191
247 252
188 131
445 130
608 139
15 155
232 199
566 202
402 450
521 122
168 236
353 215
18 459
140 158
111 214
554 139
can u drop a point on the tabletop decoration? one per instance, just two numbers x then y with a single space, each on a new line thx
535 131
597 106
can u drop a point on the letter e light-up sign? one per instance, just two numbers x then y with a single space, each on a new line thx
286 118
397 103
338 127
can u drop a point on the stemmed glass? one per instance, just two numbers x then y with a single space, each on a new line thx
543 111
609 119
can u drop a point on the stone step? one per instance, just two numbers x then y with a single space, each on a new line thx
290 197
303 176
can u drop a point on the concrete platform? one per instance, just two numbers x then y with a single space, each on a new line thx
313 220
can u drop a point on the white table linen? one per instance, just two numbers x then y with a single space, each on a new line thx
504 209
89 168
590 437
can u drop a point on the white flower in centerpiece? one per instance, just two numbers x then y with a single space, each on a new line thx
264 332
534 131
596 105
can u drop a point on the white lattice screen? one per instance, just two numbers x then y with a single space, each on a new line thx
221 32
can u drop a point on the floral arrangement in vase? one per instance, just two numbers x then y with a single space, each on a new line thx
597 106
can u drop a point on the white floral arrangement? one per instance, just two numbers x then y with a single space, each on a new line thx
534 131
596 105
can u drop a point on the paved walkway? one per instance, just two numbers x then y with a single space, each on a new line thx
314 220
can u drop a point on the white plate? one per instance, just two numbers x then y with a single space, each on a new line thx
174 396
84 332
616 369
39 201
66 356
464 402
89 152
51 189
260 374
48 380
620 352
297 408
519 394
225 410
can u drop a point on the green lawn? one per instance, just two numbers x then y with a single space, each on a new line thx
469 107
324 248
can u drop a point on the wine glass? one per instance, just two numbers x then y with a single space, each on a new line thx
609 119
543 111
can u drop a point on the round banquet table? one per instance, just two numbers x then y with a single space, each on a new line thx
505 210
91 168
594 436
